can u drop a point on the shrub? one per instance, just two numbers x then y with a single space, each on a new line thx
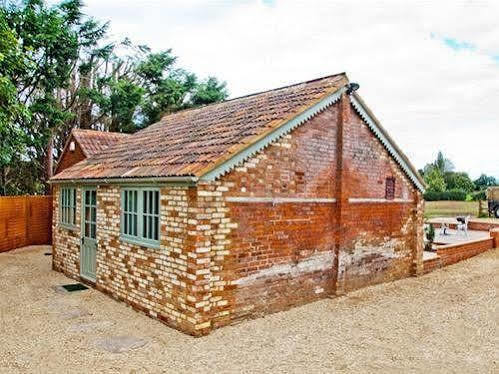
430 236
457 195
430 233
454 195
479 195
432 195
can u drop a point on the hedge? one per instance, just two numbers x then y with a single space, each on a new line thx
455 195
479 195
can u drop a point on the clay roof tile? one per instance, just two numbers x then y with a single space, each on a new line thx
190 142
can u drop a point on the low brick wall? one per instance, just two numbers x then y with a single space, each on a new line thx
453 253
432 264
472 225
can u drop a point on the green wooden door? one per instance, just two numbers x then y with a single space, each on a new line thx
88 252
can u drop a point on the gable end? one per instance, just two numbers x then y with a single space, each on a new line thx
388 144
282 130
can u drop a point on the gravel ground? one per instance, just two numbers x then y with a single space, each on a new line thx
445 321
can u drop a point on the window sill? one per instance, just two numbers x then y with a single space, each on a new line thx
139 242
68 226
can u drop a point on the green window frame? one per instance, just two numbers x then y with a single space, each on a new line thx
67 203
140 219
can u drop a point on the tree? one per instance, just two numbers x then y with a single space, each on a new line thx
435 180
441 163
129 87
458 181
49 41
485 181
11 136
166 87
62 72
208 92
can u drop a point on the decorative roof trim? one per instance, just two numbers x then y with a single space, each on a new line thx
128 181
282 130
389 146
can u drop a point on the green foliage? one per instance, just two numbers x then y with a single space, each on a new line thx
124 99
441 163
485 181
59 71
430 233
458 181
209 91
454 195
48 45
479 195
445 184
12 141
435 180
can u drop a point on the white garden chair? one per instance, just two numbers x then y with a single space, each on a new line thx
444 229
463 227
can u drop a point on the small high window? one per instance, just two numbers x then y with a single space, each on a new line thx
67 201
390 188
140 215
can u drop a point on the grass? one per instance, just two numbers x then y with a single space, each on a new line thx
450 208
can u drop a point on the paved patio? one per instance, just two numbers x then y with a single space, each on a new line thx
455 237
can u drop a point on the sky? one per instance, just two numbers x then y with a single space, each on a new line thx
429 70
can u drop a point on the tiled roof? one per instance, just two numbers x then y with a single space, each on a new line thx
93 142
193 141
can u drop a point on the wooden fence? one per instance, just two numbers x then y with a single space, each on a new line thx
25 220
483 208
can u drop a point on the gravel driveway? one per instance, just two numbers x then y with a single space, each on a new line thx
445 321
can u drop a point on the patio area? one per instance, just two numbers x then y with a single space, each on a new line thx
455 237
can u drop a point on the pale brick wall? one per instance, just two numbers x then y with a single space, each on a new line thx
165 283
65 241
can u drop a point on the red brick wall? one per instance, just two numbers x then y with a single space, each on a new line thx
378 244
367 164
283 252
282 255
69 158
301 164
379 238
432 264
494 233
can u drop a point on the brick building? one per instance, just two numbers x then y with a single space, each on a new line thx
85 143
242 208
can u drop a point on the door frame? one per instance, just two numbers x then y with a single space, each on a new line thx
82 232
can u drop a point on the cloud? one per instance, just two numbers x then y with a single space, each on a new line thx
427 69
